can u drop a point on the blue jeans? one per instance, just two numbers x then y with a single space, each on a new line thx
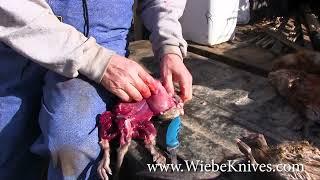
64 109
54 115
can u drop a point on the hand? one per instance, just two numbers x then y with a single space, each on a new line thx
127 79
174 70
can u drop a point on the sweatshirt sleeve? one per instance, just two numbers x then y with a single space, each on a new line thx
161 18
30 28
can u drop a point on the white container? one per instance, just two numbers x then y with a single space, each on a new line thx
209 22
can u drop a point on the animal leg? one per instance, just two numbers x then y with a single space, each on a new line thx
149 135
262 142
122 150
246 150
104 164
156 155
126 131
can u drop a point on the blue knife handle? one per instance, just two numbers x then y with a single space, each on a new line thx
172 135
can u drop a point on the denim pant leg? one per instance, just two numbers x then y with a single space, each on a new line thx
20 98
67 119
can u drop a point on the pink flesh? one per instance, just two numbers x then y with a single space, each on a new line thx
132 120
161 101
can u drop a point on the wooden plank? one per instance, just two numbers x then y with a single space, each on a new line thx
284 40
243 52
254 59
253 49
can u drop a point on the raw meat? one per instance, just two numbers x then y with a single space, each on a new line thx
131 120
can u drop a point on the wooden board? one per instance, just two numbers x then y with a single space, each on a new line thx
253 59
255 47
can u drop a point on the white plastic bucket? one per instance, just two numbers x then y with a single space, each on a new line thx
209 22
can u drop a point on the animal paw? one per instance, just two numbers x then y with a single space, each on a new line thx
159 158
104 167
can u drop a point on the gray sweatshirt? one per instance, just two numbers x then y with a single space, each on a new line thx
30 28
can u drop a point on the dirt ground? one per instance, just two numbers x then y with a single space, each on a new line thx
228 102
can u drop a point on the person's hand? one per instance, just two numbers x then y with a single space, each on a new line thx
127 79
174 70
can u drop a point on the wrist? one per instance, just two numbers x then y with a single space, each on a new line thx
172 56
95 60
170 50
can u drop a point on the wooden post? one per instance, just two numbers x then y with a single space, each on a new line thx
138 29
